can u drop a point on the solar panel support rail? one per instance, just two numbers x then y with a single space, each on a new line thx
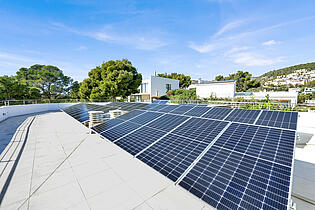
261 111
203 153
228 115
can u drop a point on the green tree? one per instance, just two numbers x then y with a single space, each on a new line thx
11 88
110 80
182 94
49 79
184 81
74 90
243 80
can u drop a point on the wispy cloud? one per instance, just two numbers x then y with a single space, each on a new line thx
270 42
252 59
145 41
81 48
229 26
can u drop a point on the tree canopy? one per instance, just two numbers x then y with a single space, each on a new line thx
184 81
49 79
243 80
182 94
111 79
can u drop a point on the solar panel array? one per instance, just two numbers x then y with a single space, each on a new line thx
229 158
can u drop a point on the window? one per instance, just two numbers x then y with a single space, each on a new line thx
168 87
144 88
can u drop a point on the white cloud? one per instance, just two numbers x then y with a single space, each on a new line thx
203 48
145 41
270 42
236 49
229 26
252 59
81 48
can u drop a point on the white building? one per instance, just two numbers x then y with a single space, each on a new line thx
219 89
153 88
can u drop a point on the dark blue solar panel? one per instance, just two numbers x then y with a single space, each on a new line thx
200 129
156 102
243 115
217 113
163 102
107 125
227 179
197 111
169 108
278 119
130 115
139 140
267 143
119 131
157 107
167 122
172 155
181 109
145 118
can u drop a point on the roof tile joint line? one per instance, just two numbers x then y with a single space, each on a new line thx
258 116
163 136
203 153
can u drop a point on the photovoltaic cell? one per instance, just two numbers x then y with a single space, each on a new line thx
107 125
226 179
139 140
217 113
119 131
157 107
243 115
145 117
167 122
200 129
172 155
130 115
197 111
169 108
278 119
181 109
270 144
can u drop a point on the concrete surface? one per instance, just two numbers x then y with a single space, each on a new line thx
64 167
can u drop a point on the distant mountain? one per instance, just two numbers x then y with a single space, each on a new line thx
285 71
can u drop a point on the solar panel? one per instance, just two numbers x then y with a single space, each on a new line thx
156 102
172 155
107 125
139 139
197 111
181 109
163 102
119 131
130 115
145 117
278 119
200 129
270 144
168 108
217 113
167 122
243 115
157 107
226 179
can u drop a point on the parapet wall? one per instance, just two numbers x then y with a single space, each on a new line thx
16 110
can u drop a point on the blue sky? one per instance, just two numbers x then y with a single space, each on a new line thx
200 38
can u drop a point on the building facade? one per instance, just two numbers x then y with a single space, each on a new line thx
218 89
153 88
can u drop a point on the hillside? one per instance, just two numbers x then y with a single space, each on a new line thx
286 71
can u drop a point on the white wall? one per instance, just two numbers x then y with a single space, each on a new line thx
158 85
220 90
16 110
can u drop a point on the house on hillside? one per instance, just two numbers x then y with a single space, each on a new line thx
154 88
